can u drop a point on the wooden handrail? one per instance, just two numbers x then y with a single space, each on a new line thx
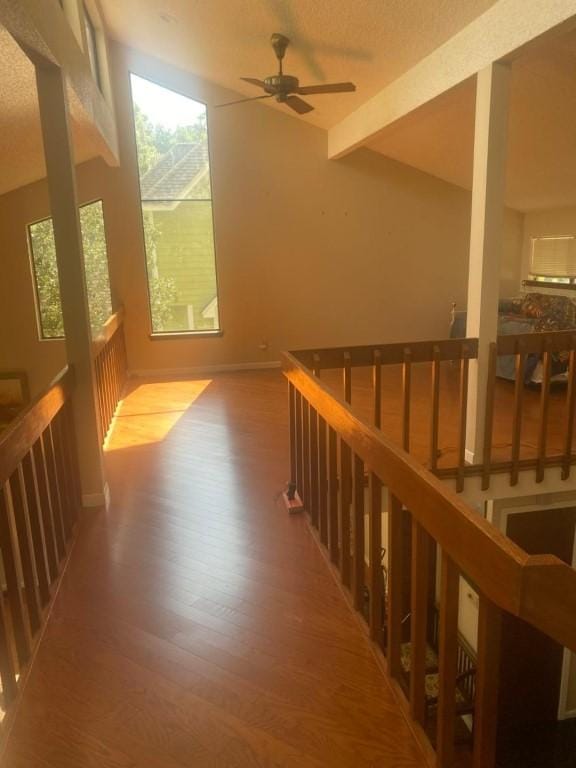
39 502
108 330
540 590
390 354
16 439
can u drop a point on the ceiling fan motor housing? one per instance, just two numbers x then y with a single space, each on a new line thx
281 85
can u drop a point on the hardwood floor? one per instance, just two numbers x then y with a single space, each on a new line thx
197 623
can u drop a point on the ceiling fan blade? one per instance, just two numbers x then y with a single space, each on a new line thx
328 88
298 105
241 101
254 81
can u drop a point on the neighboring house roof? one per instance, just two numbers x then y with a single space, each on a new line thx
177 173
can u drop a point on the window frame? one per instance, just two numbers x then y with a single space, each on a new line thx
34 272
183 334
92 46
557 280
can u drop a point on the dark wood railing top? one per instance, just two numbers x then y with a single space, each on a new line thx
16 439
389 354
539 589
108 330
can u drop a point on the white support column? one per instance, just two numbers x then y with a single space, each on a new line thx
59 155
486 237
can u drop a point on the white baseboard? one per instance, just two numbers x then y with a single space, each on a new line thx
90 500
204 370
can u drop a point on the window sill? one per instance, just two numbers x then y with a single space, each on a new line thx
176 335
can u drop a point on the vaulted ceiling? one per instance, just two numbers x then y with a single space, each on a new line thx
370 42
541 168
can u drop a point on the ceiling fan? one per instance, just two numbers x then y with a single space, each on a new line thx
285 88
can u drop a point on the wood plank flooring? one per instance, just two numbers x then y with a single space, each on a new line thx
197 624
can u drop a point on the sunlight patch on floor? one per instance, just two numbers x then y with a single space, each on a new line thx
150 411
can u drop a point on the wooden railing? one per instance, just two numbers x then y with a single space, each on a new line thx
110 364
451 352
519 418
332 454
544 345
39 502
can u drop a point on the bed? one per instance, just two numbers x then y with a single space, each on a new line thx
531 313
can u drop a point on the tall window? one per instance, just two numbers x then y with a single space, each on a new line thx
172 143
43 252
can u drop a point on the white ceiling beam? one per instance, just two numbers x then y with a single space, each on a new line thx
498 34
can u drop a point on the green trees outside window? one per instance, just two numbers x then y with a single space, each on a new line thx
43 252
175 189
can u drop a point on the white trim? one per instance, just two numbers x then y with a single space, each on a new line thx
201 370
90 500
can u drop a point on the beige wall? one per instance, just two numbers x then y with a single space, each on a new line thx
310 252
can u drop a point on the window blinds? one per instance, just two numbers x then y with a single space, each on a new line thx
554 256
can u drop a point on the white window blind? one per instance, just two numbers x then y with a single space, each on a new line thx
554 256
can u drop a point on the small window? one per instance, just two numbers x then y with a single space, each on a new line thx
92 43
176 195
553 259
45 272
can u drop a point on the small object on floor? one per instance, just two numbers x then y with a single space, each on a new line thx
292 501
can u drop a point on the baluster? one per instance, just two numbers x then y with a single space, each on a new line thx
322 481
448 662
306 452
66 492
344 511
489 414
377 381
7 669
292 421
375 549
50 540
419 619
394 586
313 509
36 528
100 394
570 408
434 426
299 446
25 551
543 422
464 363
72 451
517 413
406 394
316 364
358 534
54 492
347 378
11 572
487 681
333 494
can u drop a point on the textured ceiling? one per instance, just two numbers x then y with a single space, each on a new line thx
21 149
370 42
541 171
